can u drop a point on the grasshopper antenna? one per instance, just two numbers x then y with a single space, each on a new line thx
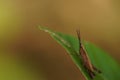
79 38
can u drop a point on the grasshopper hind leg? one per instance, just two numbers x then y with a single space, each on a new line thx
97 70
91 74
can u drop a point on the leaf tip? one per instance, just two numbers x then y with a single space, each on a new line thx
41 28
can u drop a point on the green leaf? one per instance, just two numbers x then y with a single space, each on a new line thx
109 67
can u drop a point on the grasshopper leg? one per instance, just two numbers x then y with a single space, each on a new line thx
97 70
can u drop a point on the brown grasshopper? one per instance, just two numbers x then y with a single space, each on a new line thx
85 59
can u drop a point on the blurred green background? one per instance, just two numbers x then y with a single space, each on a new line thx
98 20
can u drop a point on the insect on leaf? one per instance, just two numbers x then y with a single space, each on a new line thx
100 59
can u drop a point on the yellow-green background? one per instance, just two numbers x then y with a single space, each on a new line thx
98 20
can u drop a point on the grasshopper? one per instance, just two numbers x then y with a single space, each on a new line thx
85 59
